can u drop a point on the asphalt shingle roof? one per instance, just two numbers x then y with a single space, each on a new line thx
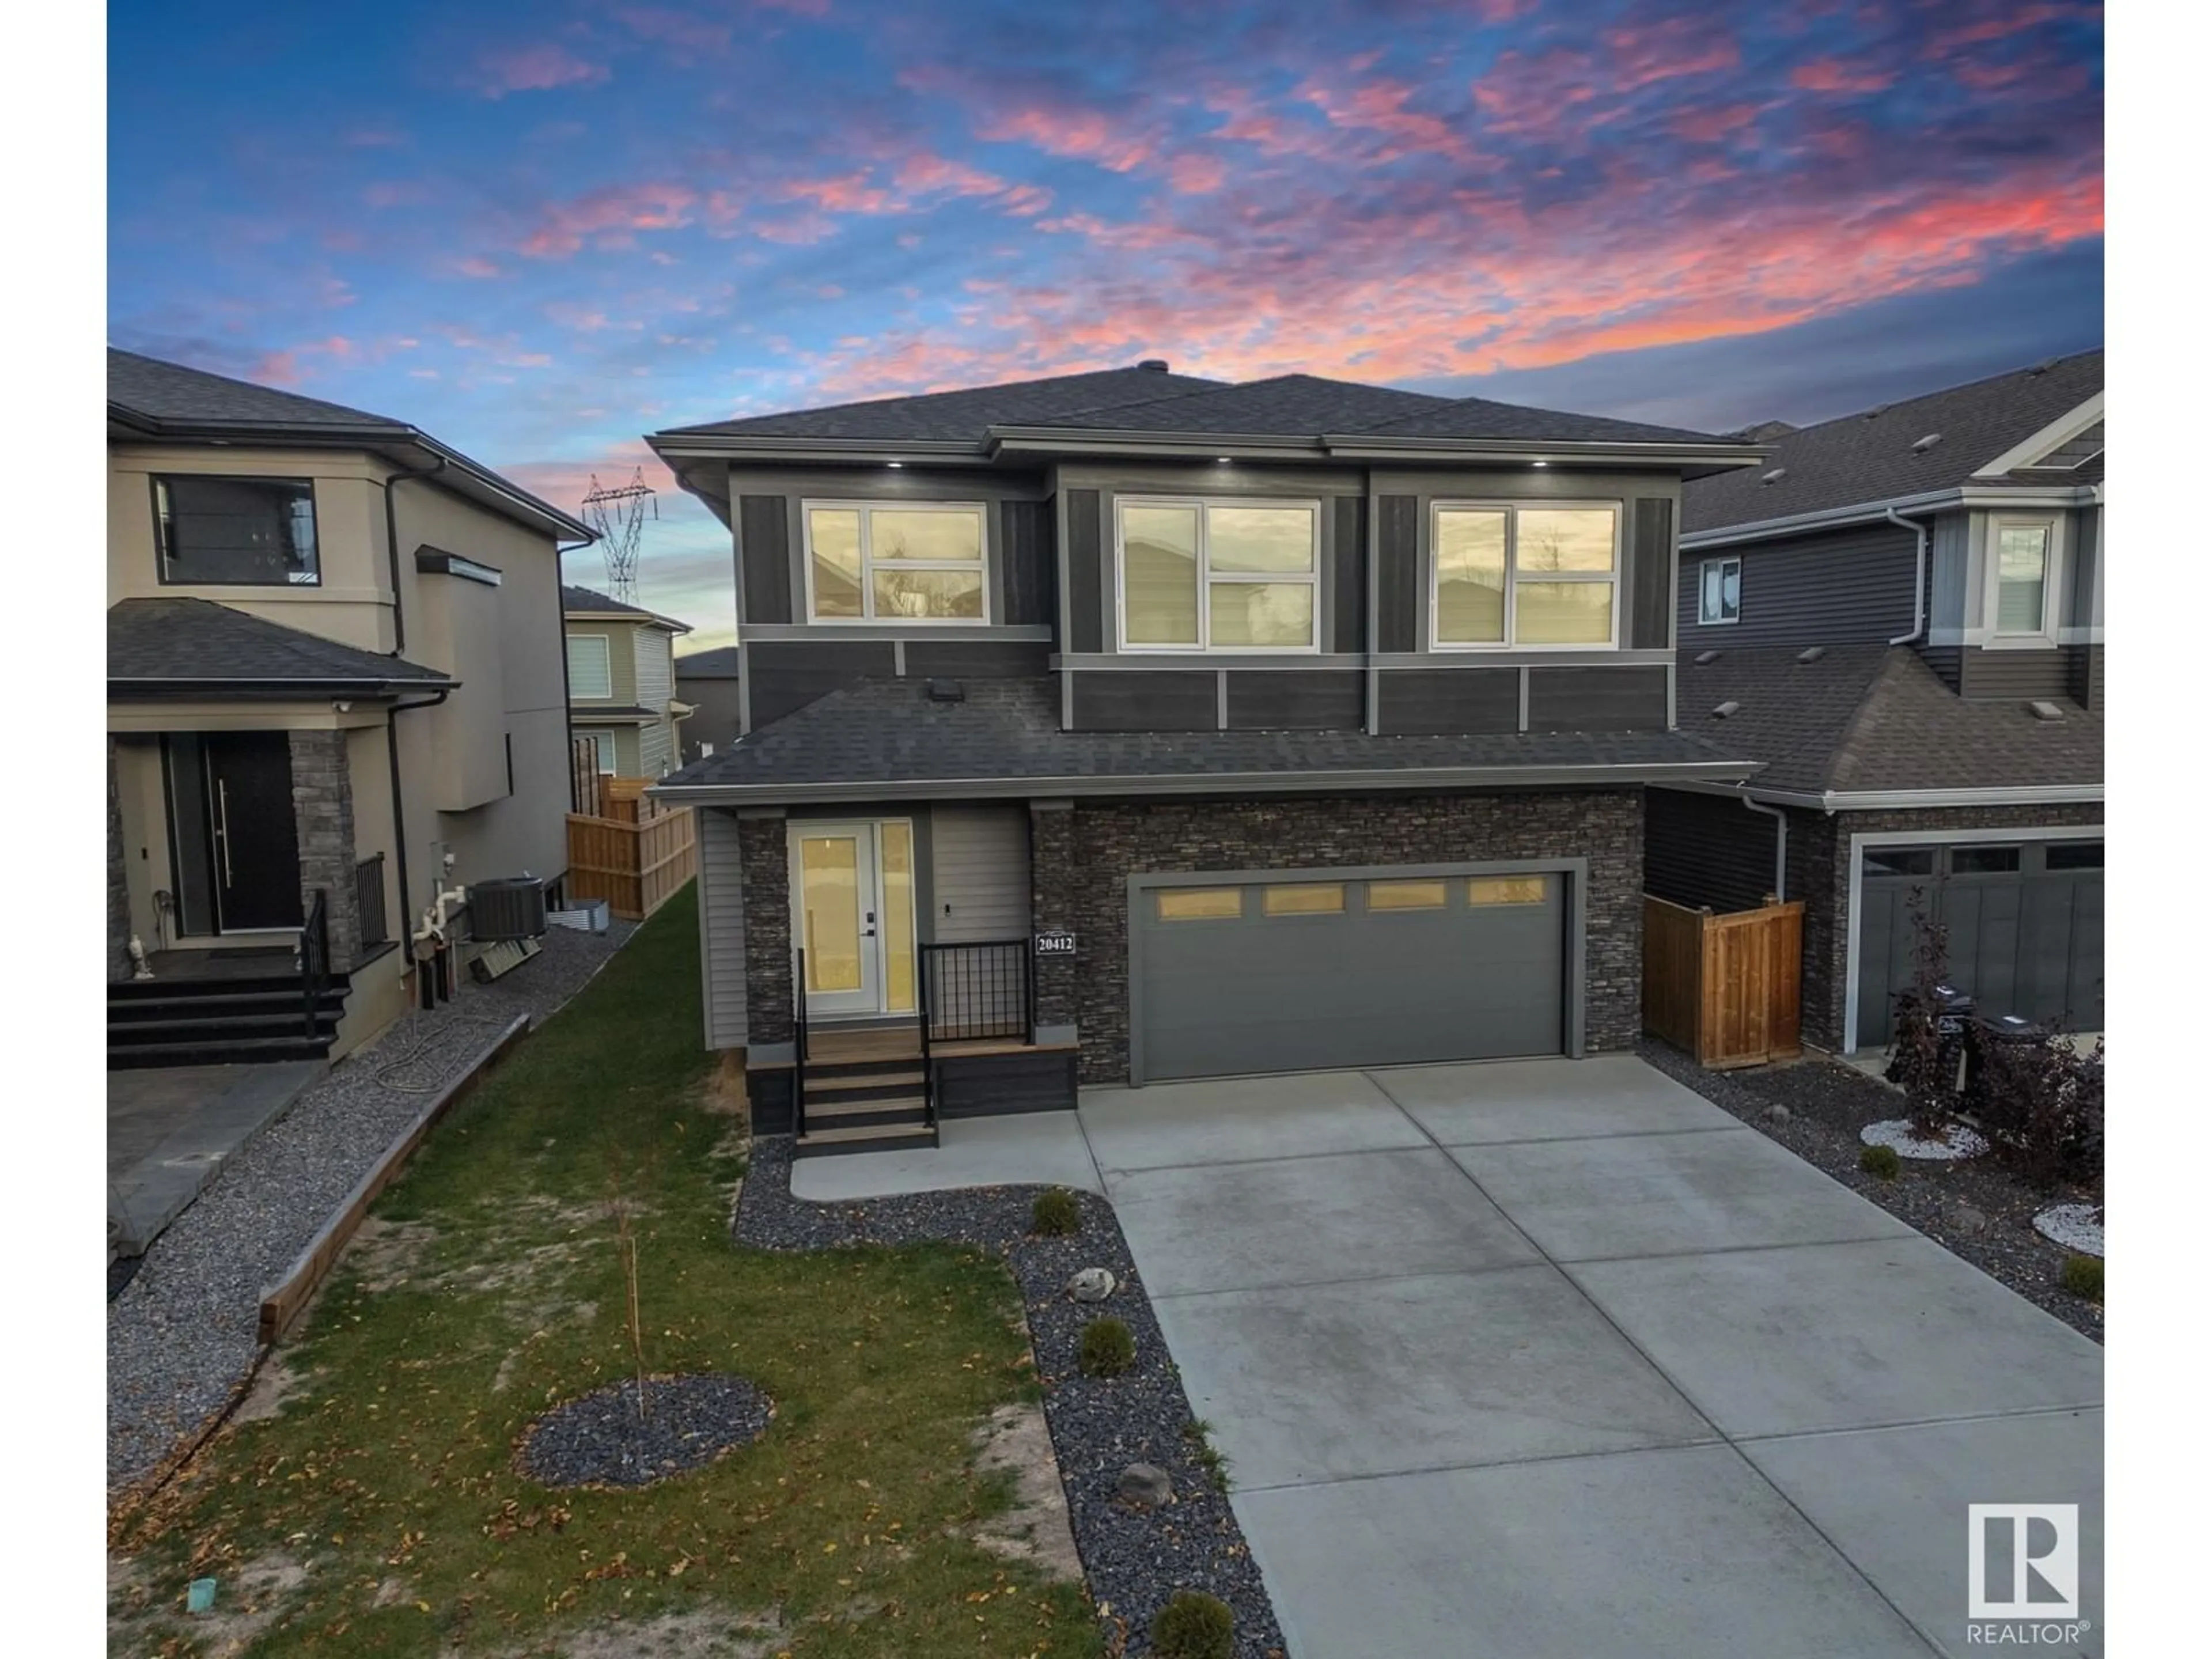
590 601
171 392
891 731
1288 404
1483 417
1869 457
968 413
183 640
1866 718
719 664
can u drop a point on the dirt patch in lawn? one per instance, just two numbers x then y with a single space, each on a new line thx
704 1633
248 1599
386 1254
275 1383
1014 1443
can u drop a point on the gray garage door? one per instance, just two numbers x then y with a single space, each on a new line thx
1308 972
2027 922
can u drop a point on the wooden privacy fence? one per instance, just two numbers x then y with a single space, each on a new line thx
584 780
1723 989
636 862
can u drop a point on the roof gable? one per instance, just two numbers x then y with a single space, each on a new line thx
173 392
181 643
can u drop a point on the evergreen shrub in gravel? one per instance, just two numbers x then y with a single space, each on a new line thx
2084 1276
1107 1348
1881 1162
1055 1214
1192 1626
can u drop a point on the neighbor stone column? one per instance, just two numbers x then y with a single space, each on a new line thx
118 881
1052 908
764 872
322 810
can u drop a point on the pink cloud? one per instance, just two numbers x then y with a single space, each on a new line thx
1084 135
536 69
1380 105
481 270
608 216
1195 175
1666 51
1709 126
1833 74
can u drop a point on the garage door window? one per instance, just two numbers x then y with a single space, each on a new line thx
1902 861
1199 903
1405 895
1984 860
1507 890
2074 855
1309 899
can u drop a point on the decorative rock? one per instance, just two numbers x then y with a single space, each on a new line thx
2077 1226
601 1439
1091 1285
1777 1113
1896 1133
1146 1486
1965 1218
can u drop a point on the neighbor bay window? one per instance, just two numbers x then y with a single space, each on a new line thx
1537 577
1199 575
918 562
2023 577
237 531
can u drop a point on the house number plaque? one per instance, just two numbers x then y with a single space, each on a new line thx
1056 945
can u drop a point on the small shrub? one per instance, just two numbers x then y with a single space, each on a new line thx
1881 1162
2042 1106
1055 1214
1194 1626
1923 1061
1107 1348
2084 1276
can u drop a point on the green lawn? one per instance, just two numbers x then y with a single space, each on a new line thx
379 1512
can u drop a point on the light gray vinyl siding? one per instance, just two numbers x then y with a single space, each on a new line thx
656 675
980 874
1852 586
656 754
2085 541
721 929
1950 559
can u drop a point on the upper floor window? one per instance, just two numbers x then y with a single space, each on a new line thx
917 562
1545 577
231 531
1720 591
2023 577
591 667
1218 575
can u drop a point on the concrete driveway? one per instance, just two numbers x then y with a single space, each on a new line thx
1557 1358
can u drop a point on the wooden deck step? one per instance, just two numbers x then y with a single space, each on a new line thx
865 1137
894 1109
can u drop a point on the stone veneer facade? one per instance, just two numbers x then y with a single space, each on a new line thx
322 812
764 858
118 880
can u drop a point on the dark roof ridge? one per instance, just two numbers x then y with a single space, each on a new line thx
709 427
2041 366
1898 662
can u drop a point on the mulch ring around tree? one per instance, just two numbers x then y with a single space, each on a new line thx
601 1439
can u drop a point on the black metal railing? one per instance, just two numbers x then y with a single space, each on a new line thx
315 960
927 1019
368 902
971 992
798 1046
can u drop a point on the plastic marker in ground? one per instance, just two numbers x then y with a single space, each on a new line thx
199 1595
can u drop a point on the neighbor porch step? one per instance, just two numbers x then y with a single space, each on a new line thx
865 1137
862 1085
844 1114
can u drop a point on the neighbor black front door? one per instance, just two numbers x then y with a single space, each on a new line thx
256 842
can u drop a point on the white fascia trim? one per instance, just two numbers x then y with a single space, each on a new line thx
1798 524
1906 800
2067 428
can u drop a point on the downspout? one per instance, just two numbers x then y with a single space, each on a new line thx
391 548
569 731
1919 575
398 804
1781 843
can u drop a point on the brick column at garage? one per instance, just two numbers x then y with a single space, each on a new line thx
322 810
764 861
1053 908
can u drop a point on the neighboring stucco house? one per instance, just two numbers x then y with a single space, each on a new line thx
1901 613
333 689
708 681
622 682
1137 727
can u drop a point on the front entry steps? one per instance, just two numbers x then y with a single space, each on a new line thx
243 1020
871 1102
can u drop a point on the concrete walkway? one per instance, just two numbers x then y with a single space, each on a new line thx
170 1128
1557 1358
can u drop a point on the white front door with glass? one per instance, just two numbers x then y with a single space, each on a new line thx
852 901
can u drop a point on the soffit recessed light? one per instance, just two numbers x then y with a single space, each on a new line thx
894 463
1540 464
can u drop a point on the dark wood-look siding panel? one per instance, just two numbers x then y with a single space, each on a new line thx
1025 545
993 1085
1398 572
1847 586
785 676
2085 675
764 559
1651 572
1350 587
1944 660
1086 627
1295 700
1449 700
1706 850
1626 699
976 659
1997 675
1170 700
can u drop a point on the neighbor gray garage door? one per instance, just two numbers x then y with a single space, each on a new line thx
1308 971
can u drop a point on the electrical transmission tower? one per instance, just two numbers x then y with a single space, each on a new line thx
618 515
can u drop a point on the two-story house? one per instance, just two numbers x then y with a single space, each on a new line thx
1128 726
622 683
1901 614
333 692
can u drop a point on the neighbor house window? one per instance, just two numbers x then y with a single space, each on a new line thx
603 752
2023 577
1538 576
918 562
591 671
1720 591
1218 575
233 532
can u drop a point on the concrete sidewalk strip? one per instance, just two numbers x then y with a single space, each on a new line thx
1895 1501
1042 1147
1303 1221
1234 1119
1323 1382
1842 1336
170 1129
1547 1100
1669 1194
1659 1554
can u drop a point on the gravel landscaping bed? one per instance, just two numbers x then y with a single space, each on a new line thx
602 1439
1972 1207
1133 1558
181 1334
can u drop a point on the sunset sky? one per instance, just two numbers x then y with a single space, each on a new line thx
541 230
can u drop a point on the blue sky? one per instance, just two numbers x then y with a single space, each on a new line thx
541 231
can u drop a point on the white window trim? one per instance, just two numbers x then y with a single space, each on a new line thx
867 510
1207 578
1513 509
2056 567
1704 620
607 659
